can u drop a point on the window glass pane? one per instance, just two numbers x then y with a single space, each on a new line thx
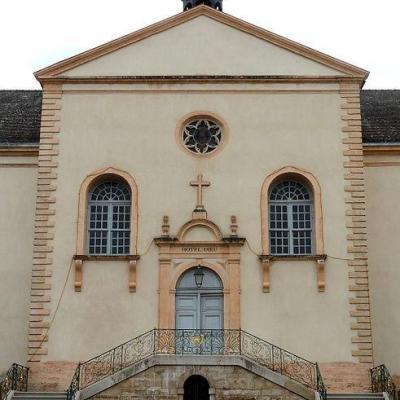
109 215
279 242
290 219
120 242
98 242
302 242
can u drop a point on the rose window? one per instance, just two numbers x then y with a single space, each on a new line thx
202 136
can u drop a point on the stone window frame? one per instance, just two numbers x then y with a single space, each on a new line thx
304 177
201 114
319 256
81 237
290 204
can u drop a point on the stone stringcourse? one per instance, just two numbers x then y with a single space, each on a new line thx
356 223
39 318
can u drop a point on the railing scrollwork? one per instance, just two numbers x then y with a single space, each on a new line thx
16 378
382 381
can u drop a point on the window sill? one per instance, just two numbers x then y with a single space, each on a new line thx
306 257
79 259
106 257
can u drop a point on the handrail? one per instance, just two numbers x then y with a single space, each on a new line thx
221 342
321 389
382 381
16 378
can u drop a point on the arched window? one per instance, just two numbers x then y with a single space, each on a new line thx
290 219
109 219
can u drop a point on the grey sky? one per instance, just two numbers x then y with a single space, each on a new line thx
34 34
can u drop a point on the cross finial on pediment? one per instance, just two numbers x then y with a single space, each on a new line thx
200 184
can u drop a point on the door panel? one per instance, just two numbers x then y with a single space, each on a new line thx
186 312
212 312
212 319
199 323
187 303
186 320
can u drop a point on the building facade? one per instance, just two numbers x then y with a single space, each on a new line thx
246 184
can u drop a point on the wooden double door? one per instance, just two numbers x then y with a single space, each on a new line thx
200 311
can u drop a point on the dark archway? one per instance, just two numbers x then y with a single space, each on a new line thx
196 387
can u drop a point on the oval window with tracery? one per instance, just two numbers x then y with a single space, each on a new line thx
202 136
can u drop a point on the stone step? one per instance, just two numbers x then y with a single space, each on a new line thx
40 395
355 396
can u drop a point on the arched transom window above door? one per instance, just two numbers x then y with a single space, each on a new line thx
199 278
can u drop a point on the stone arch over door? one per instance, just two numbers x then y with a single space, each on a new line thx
177 255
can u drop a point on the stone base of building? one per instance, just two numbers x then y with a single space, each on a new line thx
346 377
339 377
50 376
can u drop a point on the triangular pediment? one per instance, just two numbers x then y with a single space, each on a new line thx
201 42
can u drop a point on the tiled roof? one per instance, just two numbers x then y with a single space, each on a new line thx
380 110
20 116
20 112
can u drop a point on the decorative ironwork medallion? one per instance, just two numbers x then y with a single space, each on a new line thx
202 136
197 340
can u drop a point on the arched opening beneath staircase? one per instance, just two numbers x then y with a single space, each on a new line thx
196 387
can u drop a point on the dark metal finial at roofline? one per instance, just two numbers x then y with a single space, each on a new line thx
188 4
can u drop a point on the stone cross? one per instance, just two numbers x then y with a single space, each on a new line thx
200 184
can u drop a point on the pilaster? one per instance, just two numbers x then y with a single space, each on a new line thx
40 312
356 223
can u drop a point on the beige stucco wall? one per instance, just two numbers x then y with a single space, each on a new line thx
135 131
17 205
383 188
201 46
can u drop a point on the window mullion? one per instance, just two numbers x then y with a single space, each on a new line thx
290 226
109 235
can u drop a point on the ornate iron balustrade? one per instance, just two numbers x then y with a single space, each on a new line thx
16 378
197 342
321 389
381 381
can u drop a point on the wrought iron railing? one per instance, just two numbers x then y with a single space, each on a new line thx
197 342
381 381
16 378
321 389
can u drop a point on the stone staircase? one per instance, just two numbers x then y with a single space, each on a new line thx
355 396
39 396
63 396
